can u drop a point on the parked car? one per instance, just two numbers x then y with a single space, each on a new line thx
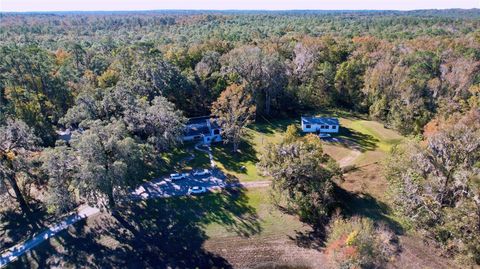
178 176
197 190
201 172
323 135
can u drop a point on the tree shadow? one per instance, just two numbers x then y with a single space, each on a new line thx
271 126
313 239
235 161
350 204
363 204
350 138
16 227
156 233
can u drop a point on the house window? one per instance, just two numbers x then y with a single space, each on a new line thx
327 127
308 126
216 132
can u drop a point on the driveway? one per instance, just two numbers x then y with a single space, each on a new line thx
18 250
165 187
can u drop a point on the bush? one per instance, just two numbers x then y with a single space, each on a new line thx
358 243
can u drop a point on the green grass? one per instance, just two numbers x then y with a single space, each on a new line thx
385 138
373 140
270 220
242 165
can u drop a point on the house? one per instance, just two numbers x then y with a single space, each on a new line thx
203 129
320 125
66 134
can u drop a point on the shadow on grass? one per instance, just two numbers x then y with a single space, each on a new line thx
352 139
351 204
365 205
314 239
160 233
235 161
272 126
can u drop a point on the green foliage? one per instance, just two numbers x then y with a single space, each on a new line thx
302 177
108 79
59 164
17 142
291 134
349 83
107 161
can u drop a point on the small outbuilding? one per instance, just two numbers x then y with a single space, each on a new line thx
320 125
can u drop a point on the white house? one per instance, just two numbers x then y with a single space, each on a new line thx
202 128
320 125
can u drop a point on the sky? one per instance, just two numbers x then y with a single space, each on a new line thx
113 5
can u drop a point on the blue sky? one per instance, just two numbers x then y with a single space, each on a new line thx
89 5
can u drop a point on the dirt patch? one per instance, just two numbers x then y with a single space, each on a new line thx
278 251
349 160
366 179
416 254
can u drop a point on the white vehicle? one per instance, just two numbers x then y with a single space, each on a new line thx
202 172
197 190
178 176
323 135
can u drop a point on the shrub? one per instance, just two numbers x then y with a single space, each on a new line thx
358 243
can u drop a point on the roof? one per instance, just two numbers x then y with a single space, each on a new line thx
197 129
320 120
200 126
198 120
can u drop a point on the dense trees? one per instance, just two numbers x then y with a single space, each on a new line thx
60 165
124 83
107 162
402 80
34 87
435 186
16 146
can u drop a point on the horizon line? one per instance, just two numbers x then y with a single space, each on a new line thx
233 10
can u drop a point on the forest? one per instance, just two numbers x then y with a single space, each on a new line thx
126 83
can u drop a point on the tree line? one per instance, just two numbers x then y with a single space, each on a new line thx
125 84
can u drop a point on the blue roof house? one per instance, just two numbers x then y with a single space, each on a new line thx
320 125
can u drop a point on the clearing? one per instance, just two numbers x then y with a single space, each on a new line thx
236 228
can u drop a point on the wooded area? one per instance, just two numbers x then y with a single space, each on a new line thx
125 83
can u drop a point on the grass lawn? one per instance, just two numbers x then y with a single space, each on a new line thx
269 219
242 165
370 137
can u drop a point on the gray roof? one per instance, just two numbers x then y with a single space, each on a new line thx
320 120
197 129
200 126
